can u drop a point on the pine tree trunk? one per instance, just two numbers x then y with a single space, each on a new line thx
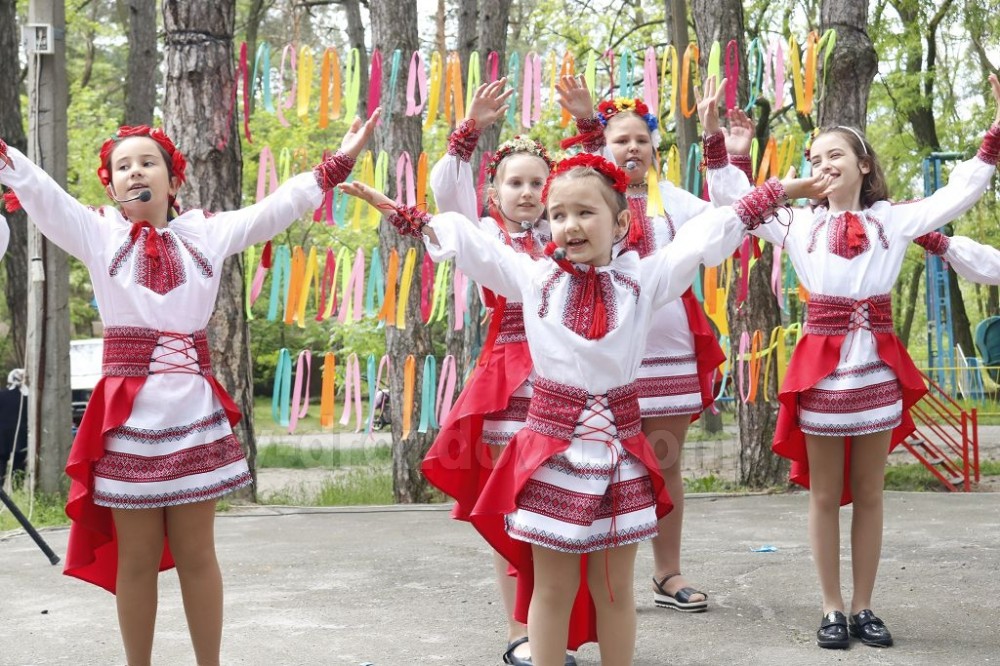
15 263
200 82
140 79
851 67
394 24
677 31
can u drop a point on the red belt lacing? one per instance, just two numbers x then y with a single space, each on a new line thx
130 350
511 324
555 410
838 315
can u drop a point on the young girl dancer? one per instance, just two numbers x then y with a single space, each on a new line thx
580 478
494 404
846 397
156 448
682 354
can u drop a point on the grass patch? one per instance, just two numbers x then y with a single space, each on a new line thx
710 484
264 423
356 486
292 457
914 476
48 511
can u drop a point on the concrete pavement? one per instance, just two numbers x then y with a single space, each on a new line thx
400 586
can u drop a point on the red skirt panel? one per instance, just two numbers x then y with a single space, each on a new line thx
815 357
92 552
458 462
708 354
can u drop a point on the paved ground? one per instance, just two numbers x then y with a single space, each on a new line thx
405 586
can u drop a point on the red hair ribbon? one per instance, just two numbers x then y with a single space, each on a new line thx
617 178
177 165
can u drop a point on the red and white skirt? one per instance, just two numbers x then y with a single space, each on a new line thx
132 451
849 375
677 374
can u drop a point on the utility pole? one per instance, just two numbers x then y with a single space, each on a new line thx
47 373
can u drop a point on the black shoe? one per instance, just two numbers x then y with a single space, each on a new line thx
870 629
509 658
832 633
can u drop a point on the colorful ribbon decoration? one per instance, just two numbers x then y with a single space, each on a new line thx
446 387
409 384
329 94
304 83
281 397
416 82
300 393
353 83
374 82
326 401
352 388
428 417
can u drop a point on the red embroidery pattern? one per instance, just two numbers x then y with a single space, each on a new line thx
744 164
849 401
668 360
555 409
147 436
645 243
118 260
333 170
715 151
511 324
588 545
576 508
851 429
989 151
146 469
578 314
516 410
547 287
859 370
837 242
200 260
128 350
165 274
663 387
838 315
186 496
463 140
628 282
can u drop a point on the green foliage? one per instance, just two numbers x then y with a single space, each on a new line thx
46 511
296 457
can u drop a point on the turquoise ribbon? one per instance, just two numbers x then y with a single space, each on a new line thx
513 71
375 290
282 397
429 387
371 390
625 88
262 61
693 176
281 277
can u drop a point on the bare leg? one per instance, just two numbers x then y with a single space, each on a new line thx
868 459
826 479
666 434
557 579
610 575
140 547
191 528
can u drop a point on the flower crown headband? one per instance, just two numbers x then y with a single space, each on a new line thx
519 144
617 179
610 108
177 161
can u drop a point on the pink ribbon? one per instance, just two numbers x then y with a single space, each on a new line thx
776 283
778 53
355 284
484 162
416 79
732 73
352 385
531 108
610 55
300 393
744 349
327 284
446 387
650 87
493 65
375 83
404 171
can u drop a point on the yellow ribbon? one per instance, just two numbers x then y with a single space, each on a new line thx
409 267
434 96
671 106
329 94
353 77
304 89
654 202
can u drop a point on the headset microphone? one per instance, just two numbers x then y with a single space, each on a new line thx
143 196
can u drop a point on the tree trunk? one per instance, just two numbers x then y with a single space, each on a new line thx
677 29
140 79
395 25
468 37
910 301
961 332
15 263
356 38
852 66
200 83
759 467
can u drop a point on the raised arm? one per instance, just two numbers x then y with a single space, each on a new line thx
479 255
64 220
574 96
4 236
972 261
233 231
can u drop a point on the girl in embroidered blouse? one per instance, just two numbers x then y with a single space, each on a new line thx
676 378
494 403
142 475
580 479
850 383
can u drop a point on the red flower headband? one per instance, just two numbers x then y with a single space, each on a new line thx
177 161
610 108
617 178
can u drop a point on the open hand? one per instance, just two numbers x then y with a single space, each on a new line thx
369 194
359 134
708 104
573 95
739 136
488 103
816 186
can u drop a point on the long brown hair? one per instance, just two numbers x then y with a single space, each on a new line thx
873 185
